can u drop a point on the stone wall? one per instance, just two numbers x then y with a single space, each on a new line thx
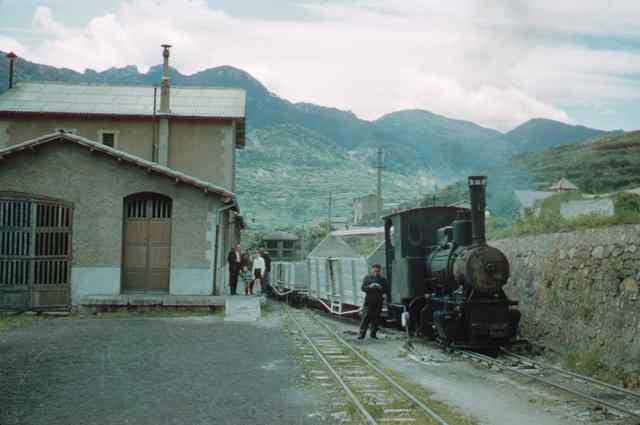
580 291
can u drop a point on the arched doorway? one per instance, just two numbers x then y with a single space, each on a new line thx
146 242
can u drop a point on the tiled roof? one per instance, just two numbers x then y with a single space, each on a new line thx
563 184
335 247
281 236
150 167
55 97
359 231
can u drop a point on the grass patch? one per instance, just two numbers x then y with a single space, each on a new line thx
10 321
268 309
590 364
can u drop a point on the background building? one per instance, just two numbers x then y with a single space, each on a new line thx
365 210
282 246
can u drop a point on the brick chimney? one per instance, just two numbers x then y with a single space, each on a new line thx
164 84
12 68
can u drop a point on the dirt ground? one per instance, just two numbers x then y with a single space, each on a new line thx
149 370
142 369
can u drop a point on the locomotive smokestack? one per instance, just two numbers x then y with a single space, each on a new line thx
12 68
477 186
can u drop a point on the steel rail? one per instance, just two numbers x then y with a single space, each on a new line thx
390 380
569 373
553 384
345 387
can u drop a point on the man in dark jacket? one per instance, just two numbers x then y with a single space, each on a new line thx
235 262
375 286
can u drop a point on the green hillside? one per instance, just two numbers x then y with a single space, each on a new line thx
539 134
608 164
605 165
451 147
286 173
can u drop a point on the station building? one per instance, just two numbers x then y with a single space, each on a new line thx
115 190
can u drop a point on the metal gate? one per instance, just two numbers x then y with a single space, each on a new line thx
147 243
35 253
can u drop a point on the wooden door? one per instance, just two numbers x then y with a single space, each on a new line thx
35 253
147 243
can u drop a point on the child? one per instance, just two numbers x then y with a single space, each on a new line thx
246 276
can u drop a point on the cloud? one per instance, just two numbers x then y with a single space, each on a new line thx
497 63
10 44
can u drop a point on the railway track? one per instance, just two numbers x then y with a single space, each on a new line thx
376 396
610 398
606 396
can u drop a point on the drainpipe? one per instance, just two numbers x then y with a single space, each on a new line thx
154 136
215 245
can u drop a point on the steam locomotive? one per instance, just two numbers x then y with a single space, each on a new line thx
445 281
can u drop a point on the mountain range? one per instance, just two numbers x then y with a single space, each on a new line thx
331 149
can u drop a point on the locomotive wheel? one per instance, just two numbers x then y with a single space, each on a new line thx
415 323
426 321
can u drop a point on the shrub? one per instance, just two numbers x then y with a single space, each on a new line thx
626 203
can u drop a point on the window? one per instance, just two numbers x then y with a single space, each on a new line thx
108 138
271 244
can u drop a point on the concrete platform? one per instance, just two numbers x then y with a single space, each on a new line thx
242 308
161 300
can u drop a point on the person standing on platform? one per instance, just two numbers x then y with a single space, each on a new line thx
258 269
247 278
234 259
266 276
374 286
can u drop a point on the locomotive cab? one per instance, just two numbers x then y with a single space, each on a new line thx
410 237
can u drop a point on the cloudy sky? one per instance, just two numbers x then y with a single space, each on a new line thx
495 62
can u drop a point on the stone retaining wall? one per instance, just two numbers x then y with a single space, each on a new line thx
580 291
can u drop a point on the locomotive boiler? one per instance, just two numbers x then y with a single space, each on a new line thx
445 280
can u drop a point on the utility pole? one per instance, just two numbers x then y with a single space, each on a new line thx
330 201
379 191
